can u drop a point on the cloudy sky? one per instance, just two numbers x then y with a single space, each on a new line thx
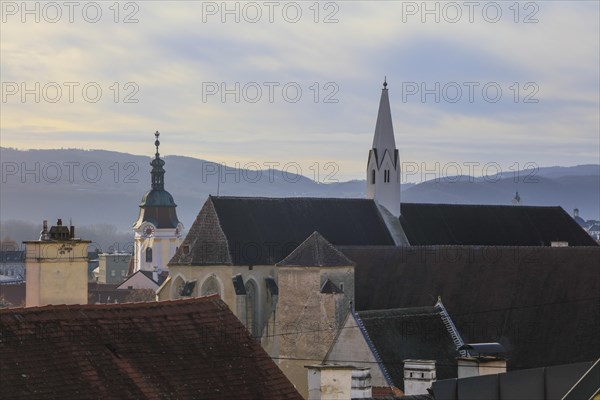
238 82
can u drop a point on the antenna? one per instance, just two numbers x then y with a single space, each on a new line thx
219 180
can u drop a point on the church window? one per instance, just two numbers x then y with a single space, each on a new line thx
210 286
188 288
386 175
252 308
177 287
149 254
373 177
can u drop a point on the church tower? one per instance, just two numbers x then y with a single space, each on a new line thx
383 165
157 232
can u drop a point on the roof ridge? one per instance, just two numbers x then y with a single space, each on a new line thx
132 305
392 310
480 205
290 198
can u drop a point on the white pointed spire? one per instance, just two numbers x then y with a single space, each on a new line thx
383 166
384 129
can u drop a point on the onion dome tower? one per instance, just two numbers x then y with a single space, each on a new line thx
157 231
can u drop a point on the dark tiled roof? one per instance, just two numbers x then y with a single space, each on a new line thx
490 225
263 231
104 293
385 393
318 252
529 299
184 349
161 276
410 333
14 294
160 216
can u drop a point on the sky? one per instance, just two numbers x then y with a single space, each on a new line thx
508 84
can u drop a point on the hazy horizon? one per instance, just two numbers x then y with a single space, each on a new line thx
497 83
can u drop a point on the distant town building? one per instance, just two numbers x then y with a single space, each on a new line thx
57 267
145 280
157 232
112 267
12 266
577 218
104 293
592 227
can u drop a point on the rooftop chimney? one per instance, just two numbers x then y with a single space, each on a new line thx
477 366
576 213
338 382
482 359
72 232
44 233
419 375
155 274
361 383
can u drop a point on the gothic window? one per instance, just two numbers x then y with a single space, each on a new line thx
210 286
251 308
188 289
149 254
177 287
373 176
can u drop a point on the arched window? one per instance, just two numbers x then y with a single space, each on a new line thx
252 308
210 286
176 287
373 176
149 254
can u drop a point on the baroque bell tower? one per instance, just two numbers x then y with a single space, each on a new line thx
383 165
157 232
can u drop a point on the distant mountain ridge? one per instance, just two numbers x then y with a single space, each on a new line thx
105 187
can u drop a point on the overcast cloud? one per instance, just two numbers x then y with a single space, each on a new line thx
177 52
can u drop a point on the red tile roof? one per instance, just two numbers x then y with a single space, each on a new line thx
183 349
386 392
